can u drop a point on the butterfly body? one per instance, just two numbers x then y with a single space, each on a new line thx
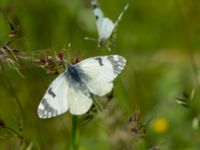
73 73
72 89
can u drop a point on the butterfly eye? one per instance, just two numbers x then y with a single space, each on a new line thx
102 42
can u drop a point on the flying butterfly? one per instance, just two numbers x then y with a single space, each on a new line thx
72 90
105 26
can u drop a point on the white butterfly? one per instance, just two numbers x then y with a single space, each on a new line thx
72 89
105 26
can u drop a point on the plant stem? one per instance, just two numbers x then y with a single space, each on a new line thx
13 92
75 134
15 132
97 104
189 44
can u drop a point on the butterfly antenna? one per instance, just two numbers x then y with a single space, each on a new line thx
121 14
68 55
90 39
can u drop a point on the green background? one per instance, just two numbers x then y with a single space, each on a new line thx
159 39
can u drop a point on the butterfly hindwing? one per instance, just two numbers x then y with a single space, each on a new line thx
99 72
54 101
106 30
79 98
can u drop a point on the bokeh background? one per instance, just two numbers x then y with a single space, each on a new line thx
159 39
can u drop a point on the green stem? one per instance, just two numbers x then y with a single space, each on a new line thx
15 132
75 134
97 104
13 91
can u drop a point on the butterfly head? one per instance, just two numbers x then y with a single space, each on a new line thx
102 42
69 65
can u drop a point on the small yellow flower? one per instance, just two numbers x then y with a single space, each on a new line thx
160 125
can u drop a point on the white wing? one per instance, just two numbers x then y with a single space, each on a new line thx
105 26
98 15
54 101
79 98
98 72
120 16
105 31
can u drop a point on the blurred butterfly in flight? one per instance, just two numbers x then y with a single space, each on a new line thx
72 89
105 26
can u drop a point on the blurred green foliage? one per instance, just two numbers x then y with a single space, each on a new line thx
159 39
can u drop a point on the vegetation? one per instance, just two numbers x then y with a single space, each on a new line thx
156 99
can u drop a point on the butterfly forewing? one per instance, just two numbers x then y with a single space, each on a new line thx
121 14
54 101
100 72
98 14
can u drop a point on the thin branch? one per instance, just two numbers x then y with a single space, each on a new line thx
13 91
15 132
189 44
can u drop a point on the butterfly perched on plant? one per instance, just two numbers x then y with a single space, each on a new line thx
105 26
72 90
